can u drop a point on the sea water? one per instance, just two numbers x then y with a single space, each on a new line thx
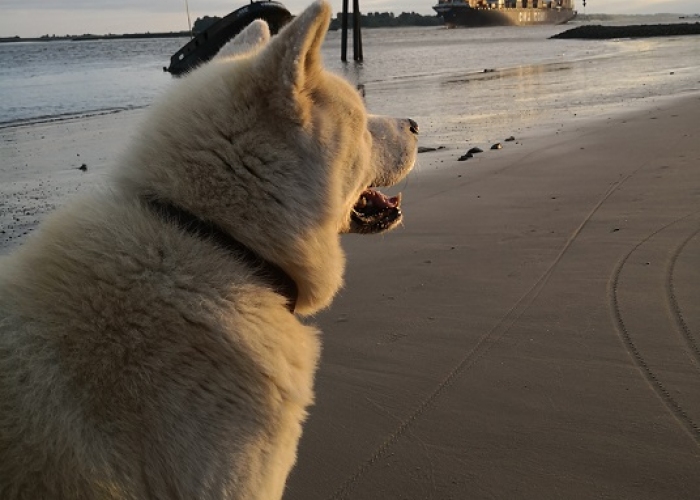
461 85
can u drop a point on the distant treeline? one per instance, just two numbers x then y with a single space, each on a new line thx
389 20
370 20
88 36
595 17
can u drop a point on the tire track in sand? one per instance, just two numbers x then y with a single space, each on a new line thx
482 346
628 338
675 308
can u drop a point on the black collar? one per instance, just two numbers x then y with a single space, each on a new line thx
280 281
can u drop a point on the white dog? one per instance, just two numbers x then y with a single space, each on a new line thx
148 342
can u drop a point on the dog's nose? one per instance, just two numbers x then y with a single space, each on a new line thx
413 126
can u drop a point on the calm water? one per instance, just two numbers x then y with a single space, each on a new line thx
432 74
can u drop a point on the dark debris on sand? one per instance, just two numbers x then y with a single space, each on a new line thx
429 149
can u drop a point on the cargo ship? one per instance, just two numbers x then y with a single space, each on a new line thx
474 13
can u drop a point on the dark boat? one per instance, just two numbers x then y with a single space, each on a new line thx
206 44
473 13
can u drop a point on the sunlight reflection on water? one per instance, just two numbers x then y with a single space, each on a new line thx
433 75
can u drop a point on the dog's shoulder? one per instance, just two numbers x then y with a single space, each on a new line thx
115 323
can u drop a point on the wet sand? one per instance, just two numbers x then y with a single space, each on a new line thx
532 332
40 166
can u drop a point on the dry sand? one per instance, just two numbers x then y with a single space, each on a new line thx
533 332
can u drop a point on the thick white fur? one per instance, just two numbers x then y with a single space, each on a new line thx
138 361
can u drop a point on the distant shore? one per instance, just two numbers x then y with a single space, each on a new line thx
79 38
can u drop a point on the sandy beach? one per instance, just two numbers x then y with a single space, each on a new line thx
532 332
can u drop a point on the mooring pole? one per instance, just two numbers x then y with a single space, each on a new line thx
344 33
359 56
356 31
359 35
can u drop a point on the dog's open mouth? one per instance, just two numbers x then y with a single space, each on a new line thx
374 212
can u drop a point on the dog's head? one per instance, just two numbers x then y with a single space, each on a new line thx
281 153
332 103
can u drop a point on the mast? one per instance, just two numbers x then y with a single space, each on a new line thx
189 22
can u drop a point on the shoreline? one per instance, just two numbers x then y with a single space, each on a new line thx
79 115
43 158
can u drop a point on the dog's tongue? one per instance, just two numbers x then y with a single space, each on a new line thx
378 200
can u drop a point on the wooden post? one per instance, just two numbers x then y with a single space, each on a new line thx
356 31
359 56
344 33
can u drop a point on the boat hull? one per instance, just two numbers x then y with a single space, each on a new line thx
459 15
206 44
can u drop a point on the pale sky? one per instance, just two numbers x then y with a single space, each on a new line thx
33 18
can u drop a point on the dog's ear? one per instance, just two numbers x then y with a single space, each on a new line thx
293 59
252 37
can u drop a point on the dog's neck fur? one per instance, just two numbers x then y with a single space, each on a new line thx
280 281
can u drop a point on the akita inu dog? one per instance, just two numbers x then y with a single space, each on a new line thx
149 346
